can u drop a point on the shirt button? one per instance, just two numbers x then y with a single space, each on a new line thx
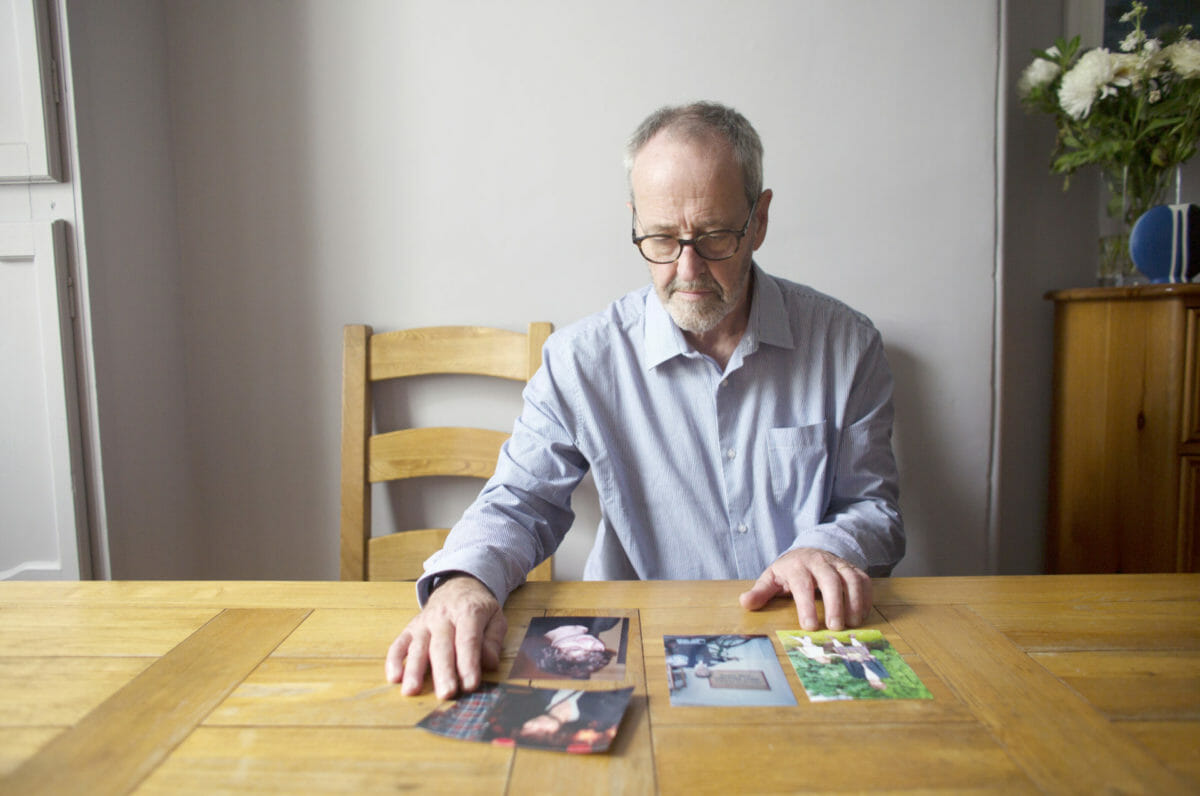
724 382
742 528
730 454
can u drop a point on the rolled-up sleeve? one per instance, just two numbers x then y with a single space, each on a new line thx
524 510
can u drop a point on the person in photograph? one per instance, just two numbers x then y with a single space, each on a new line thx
811 651
573 651
861 663
468 718
562 719
737 424
685 653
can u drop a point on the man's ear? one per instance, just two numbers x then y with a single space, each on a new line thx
761 214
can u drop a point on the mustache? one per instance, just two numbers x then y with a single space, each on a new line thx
705 282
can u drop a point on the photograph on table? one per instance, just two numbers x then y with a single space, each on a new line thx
725 671
858 664
573 648
506 714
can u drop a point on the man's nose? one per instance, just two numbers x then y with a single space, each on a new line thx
690 265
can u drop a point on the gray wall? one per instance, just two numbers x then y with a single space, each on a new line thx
143 507
295 166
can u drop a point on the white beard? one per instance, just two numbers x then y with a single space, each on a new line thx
701 317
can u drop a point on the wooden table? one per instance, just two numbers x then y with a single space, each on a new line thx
1051 684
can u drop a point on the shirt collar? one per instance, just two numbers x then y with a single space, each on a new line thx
768 323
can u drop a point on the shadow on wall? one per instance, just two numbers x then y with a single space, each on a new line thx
258 360
944 513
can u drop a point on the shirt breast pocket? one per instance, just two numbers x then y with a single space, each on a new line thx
798 459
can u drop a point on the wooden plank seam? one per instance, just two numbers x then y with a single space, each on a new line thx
111 750
1027 709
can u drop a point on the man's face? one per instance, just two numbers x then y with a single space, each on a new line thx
686 188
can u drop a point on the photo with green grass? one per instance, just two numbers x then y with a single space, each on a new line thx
850 664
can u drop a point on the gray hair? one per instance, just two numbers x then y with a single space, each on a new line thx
698 120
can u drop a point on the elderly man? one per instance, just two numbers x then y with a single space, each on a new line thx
737 425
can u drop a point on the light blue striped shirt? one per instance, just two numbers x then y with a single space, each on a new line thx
701 474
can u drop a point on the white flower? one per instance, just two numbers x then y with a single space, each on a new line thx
1128 70
1184 55
1132 41
1039 73
1136 10
1151 62
1093 77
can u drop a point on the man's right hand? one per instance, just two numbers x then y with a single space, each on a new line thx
458 633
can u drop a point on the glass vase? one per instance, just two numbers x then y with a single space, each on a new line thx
1130 195
1115 267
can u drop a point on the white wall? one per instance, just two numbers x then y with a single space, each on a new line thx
407 163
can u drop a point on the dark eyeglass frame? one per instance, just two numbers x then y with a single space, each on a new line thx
680 243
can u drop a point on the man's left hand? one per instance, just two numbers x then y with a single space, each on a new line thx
845 589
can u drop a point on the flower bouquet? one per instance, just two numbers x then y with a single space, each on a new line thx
1135 114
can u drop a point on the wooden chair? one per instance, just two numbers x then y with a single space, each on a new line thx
369 458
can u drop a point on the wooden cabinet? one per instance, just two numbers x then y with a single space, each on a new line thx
1125 446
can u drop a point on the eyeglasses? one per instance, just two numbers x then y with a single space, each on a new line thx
719 244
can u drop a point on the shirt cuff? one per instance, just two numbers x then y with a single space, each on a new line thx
430 581
828 542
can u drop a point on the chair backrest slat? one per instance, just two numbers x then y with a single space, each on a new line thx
470 350
419 452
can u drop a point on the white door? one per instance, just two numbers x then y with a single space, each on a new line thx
43 531
28 91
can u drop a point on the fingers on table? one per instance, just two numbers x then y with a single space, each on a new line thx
803 585
447 659
493 641
845 590
415 661
758 595
393 664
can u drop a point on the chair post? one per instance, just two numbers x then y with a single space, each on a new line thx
356 428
